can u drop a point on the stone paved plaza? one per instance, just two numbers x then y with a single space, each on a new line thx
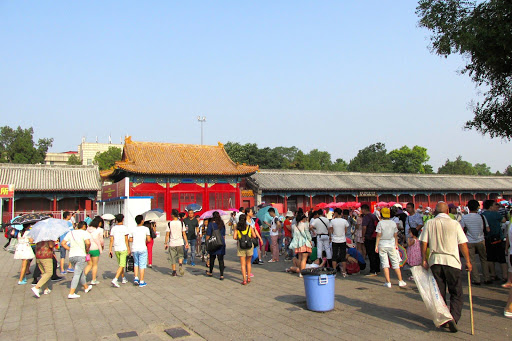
271 307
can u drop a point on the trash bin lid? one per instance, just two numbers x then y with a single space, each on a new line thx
318 271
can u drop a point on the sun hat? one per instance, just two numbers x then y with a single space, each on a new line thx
385 212
289 214
398 205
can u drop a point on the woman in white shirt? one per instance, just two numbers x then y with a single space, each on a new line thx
78 242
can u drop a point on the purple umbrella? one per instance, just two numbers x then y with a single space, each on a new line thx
209 214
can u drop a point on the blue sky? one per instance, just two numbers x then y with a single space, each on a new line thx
332 75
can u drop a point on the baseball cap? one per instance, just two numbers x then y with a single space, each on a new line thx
385 212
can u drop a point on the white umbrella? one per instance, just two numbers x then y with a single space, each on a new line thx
152 215
49 229
108 216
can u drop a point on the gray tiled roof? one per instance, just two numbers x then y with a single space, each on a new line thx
50 177
269 179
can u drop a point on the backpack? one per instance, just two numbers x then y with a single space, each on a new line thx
245 240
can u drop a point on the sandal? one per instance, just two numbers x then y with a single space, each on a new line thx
244 283
209 274
507 285
248 279
221 278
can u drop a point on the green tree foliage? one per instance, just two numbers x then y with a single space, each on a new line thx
106 160
373 159
458 166
17 146
74 160
480 31
482 169
508 171
407 160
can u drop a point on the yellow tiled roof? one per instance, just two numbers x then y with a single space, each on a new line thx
179 159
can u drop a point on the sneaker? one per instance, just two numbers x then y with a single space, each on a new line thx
387 285
251 275
89 288
24 281
124 281
63 272
287 259
371 274
71 270
271 261
174 274
142 284
72 296
260 262
402 284
507 314
47 292
95 282
192 264
150 266
33 283
184 261
136 281
115 283
56 279
182 272
36 292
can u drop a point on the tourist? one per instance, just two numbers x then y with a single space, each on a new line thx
358 233
508 307
216 223
275 226
139 237
245 228
402 238
369 237
107 228
120 243
386 247
317 263
78 242
301 241
287 232
232 222
67 217
338 228
351 223
202 235
413 250
446 239
95 229
508 285
151 225
474 225
494 245
44 261
455 213
24 252
175 239
312 216
192 225
414 220
267 240
323 238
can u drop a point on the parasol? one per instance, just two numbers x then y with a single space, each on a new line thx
29 218
209 214
108 216
152 215
49 229
193 207
403 255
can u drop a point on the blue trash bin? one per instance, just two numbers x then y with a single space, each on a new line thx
319 286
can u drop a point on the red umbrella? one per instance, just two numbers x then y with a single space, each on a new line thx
340 204
321 205
382 204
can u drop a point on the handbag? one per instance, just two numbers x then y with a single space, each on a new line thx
255 242
129 263
214 242
87 257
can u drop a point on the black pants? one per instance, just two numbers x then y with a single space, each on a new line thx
448 277
221 263
37 271
372 255
8 242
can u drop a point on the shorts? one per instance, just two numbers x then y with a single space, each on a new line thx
94 253
244 253
339 252
175 254
140 259
121 258
389 254
62 252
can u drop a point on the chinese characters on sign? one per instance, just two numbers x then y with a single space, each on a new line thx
6 191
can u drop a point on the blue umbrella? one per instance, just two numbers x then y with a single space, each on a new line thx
263 214
158 210
49 229
503 202
17 226
194 207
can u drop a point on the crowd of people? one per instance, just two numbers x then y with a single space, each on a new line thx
346 240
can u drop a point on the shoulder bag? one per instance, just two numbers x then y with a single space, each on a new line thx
215 241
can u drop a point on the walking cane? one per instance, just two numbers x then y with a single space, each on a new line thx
471 305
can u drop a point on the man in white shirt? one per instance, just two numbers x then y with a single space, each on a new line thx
474 225
119 241
338 228
445 238
323 238
139 237
275 226
175 238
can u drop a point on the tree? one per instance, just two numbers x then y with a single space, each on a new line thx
373 158
17 146
480 31
482 169
74 160
407 160
106 160
508 171
339 165
458 166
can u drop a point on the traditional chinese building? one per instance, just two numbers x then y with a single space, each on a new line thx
296 188
49 188
176 175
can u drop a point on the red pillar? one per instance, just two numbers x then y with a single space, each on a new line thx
285 204
206 199
428 198
488 196
397 198
460 198
414 199
333 198
310 202
238 197
377 198
444 196
474 196
54 204
9 209
357 198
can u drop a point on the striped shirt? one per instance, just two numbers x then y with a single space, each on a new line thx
474 226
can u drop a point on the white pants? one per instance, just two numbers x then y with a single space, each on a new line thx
323 244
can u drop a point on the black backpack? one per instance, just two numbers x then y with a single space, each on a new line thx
245 240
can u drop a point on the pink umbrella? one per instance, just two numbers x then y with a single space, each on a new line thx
382 204
209 214
332 204
340 204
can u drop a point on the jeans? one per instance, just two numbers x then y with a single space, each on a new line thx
266 239
448 277
79 265
140 259
288 251
192 248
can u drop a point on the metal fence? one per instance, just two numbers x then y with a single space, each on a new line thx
79 215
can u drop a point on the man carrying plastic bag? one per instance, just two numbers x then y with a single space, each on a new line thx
445 238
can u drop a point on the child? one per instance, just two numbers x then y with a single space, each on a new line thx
413 250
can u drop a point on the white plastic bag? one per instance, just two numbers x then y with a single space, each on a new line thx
431 295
